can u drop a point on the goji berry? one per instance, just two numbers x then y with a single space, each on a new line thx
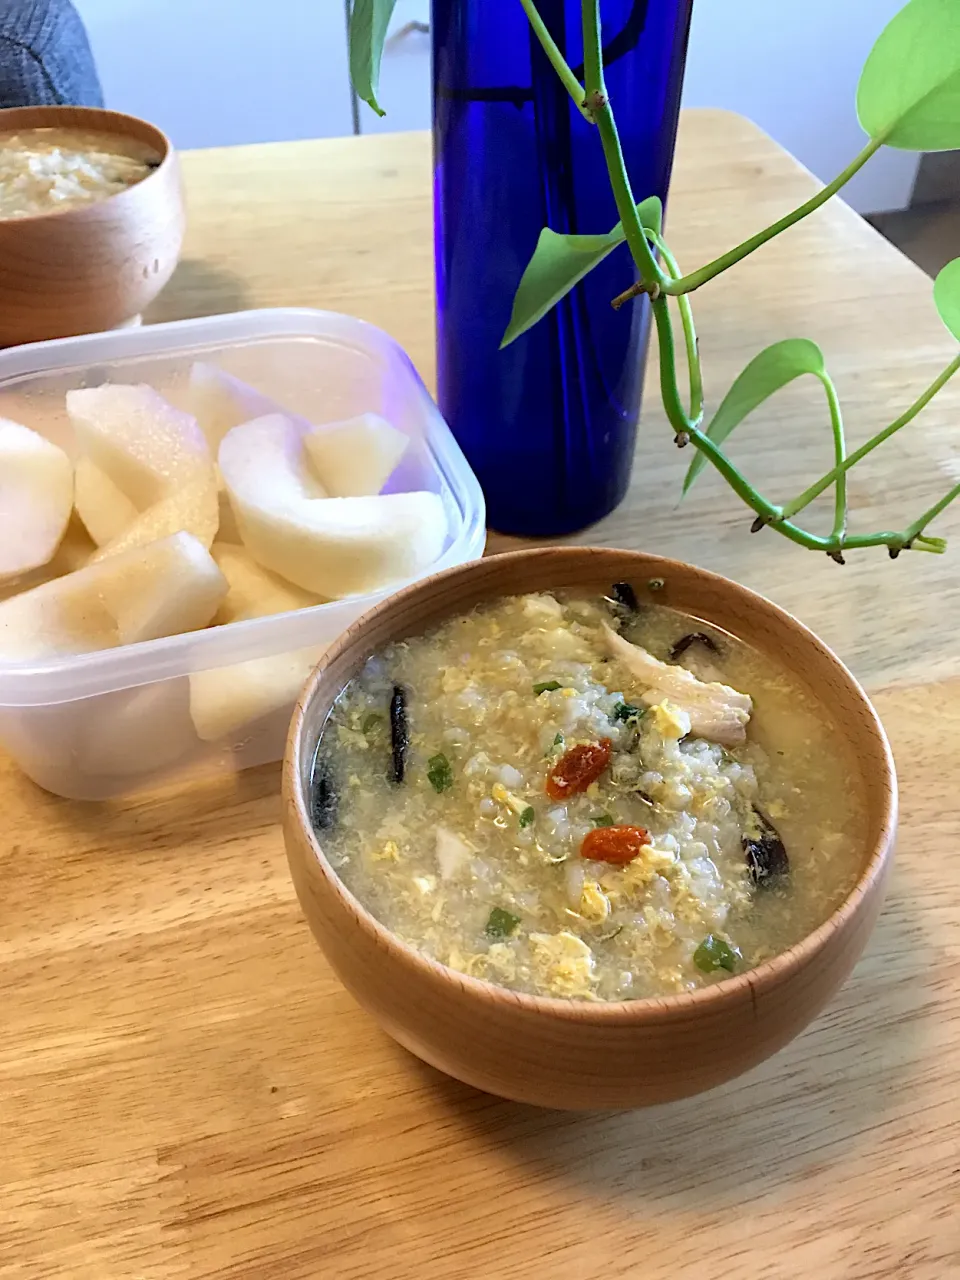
618 845
577 768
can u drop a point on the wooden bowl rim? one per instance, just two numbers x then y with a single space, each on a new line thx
101 119
616 1012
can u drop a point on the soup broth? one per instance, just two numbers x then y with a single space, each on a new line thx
597 802
44 170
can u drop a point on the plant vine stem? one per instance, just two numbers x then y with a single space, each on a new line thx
814 491
602 113
689 332
839 454
669 391
557 60
918 526
813 542
686 284
591 100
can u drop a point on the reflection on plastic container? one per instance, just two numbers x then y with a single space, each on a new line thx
104 723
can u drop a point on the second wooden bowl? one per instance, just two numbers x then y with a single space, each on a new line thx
94 266
570 1054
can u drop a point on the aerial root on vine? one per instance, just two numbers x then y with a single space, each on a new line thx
635 290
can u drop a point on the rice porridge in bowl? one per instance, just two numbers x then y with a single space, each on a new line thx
50 169
587 797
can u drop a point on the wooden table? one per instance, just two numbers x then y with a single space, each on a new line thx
185 1090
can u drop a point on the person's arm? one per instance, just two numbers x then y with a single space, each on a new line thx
45 56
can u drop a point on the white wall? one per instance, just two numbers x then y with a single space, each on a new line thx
793 68
215 72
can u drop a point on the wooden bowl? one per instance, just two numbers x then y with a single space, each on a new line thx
564 1053
95 266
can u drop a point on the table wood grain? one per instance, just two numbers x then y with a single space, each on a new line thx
186 1091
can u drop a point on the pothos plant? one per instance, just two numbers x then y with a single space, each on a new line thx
908 97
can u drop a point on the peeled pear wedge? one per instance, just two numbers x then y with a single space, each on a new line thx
146 470
36 498
74 552
192 507
220 402
226 699
228 530
142 443
332 547
355 458
158 590
104 509
254 592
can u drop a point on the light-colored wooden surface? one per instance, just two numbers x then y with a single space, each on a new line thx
186 1091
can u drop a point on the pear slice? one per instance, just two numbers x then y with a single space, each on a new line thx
142 443
192 507
146 471
36 498
74 552
229 699
330 546
355 459
254 592
219 402
225 699
228 530
166 587
104 509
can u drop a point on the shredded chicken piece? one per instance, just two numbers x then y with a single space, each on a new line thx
716 711
453 853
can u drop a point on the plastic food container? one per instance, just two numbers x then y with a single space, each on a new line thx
106 723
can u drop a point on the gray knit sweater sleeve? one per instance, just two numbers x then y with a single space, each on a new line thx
45 56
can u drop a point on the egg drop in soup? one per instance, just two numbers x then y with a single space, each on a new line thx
587 798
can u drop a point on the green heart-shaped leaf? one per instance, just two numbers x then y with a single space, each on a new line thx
766 373
561 261
369 20
909 91
558 263
946 294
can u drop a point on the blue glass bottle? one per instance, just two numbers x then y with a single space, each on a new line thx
548 424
